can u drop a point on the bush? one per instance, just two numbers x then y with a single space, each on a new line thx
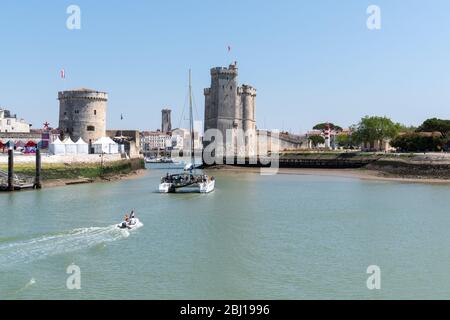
416 142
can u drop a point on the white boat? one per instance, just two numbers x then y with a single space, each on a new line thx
188 180
159 160
131 226
197 183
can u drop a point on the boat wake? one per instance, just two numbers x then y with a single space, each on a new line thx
26 251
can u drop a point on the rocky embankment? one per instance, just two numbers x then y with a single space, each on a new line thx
417 166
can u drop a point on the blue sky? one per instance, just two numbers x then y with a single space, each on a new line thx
311 61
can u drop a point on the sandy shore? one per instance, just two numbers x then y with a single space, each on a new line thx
66 182
362 174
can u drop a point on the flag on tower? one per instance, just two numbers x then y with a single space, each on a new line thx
63 74
229 48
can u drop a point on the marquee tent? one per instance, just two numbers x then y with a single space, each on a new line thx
20 144
31 144
105 145
82 147
57 147
71 147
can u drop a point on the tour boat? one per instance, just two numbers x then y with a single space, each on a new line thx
188 180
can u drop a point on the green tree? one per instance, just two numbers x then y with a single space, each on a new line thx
435 124
323 126
418 142
375 129
345 141
316 140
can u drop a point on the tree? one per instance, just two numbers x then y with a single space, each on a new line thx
345 141
418 142
435 124
323 126
316 140
375 129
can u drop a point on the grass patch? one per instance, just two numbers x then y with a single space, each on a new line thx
78 170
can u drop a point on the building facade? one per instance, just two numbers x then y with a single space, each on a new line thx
155 140
166 121
181 140
230 109
10 123
82 114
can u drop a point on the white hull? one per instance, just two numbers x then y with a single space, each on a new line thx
165 187
207 187
203 187
137 225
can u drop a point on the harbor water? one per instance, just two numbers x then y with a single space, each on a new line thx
254 237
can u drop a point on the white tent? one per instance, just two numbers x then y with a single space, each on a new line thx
82 147
71 147
57 147
105 145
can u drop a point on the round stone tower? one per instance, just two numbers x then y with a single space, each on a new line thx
248 96
82 113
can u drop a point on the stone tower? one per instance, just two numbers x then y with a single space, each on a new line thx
166 122
229 109
82 113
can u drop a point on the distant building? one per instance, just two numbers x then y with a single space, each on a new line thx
181 139
166 122
10 123
82 114
155 140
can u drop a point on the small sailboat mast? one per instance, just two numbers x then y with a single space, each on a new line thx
191 122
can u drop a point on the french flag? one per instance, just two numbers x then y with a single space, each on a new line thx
63 74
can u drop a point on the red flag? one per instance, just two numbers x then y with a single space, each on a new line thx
63 74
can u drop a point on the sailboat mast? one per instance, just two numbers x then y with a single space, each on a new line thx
191 121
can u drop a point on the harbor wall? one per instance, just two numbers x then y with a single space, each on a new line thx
436 166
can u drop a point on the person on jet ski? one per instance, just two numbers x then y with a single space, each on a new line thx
125 222
132 220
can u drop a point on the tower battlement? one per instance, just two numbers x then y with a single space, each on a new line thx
83 94
231 70
247 90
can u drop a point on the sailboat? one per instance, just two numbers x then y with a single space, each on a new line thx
188 179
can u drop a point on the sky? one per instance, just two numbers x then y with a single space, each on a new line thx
311 61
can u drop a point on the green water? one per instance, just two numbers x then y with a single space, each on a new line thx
255 237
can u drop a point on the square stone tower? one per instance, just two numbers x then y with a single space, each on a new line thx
166 122
230 109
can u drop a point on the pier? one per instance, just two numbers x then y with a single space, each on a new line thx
9 181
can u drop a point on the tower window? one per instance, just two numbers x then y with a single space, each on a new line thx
90 128
95 112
